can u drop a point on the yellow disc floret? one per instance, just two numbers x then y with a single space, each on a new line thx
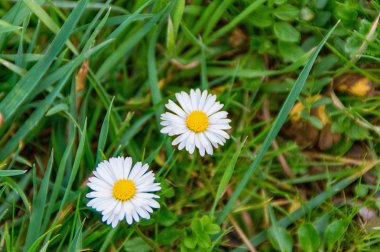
197 121
124 189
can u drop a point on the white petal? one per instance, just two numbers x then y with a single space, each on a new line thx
210 100
193 100
136 168
187 101
115 221
175 108
102 173
218 115
219 132
181 138
97 187
141 172
182 145
127 167
221 126
96 194
214 108
202 100
173 118
184 104
100 182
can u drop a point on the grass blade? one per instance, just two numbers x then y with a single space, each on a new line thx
33 120
76 240
280 120
25 86
18 189
313 203
9 173
103 134
58 182
253 6
47 20
34 227
35 244
10 28
75 168
226 176
129 44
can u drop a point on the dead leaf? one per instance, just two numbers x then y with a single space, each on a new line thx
327 138
355 84
359 151
81 76
303 133
238 38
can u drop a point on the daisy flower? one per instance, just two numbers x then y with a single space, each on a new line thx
120 191
197 122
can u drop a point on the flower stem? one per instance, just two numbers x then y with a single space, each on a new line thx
149 241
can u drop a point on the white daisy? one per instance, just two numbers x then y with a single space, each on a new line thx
197 122
122 192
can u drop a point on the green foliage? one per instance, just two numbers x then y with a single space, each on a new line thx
334 232
82 81
308 237
347 125
280 239
198 237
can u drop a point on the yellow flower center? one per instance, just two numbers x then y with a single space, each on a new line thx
124 189
197 121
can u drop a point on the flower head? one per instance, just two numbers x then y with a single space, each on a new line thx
122 192
197 122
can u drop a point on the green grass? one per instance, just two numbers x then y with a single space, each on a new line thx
287 180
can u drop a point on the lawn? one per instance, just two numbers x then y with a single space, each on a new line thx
189 125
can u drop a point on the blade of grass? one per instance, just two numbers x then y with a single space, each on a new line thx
128 20
216 16
313 203
153 80
276 232
47 20
58 182
279 121
226 176
75 167
33 120
103 134
36 217
37 242
247 11
128 44
18 189
25 86
37 115
14 68
131 132
10 28
75 244
201 23
9 173
95 21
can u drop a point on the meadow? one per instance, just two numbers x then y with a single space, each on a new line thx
293 166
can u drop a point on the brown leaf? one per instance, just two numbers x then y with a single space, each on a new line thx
238 38
359 151
303 133
1 119
81 76
355 84
327 138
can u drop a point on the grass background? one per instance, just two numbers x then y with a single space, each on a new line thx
83 81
